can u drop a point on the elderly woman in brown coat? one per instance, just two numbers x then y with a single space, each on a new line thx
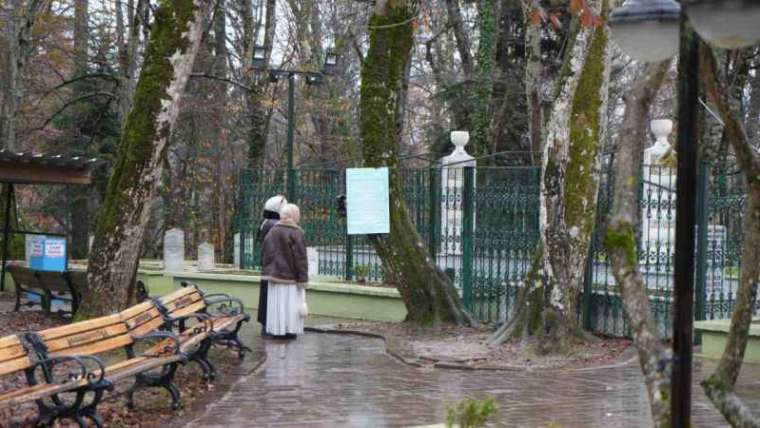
286 267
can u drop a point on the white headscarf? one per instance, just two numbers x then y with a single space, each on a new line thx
291 213
275 203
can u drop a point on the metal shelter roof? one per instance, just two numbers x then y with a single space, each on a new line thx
39 168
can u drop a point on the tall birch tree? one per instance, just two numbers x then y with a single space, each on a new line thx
427 293
174 42
573 140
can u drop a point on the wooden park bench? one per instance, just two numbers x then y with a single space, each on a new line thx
202 320
24 354
46 285
69 368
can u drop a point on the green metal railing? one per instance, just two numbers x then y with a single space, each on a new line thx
481 226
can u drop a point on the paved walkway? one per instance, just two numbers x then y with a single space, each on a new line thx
323 380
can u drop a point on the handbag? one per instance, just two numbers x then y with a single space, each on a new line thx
303 311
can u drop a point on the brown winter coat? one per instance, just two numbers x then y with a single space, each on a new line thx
284 251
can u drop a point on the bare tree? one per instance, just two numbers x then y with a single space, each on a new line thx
719 386
654 356
174 42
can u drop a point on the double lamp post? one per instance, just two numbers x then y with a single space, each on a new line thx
653 31
311 78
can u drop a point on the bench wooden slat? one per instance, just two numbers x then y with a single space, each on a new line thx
23 276
145 365
97 347
136 310
183 301
148 327
53 281
143 318
7 341
86 338
80 327
15 365
174 295
187 310
11 353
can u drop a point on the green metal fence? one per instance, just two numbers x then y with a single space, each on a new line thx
481 226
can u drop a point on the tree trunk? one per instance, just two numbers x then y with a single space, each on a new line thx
10 80
260 113
170 54
20 21
575 135
719 387
79 204
484 92
427 293
128 57
620 240
533 78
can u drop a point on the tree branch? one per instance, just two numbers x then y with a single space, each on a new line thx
718 92
221 79
72 102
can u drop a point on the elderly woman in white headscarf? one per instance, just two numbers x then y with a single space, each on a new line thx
271 216
286 268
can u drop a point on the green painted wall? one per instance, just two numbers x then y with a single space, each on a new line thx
714 334
324 298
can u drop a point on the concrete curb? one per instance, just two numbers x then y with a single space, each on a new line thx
627 357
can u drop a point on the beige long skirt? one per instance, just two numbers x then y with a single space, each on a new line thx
284 302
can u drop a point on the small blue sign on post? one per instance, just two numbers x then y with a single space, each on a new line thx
48 253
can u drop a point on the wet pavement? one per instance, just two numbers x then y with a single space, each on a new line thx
325 380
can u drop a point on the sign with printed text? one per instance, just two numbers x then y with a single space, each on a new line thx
48 253
367 201
54 248
36 247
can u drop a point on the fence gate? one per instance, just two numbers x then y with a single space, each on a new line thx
481 226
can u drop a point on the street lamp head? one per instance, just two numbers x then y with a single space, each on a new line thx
331 61
259 57
647 30
313 78
274 76
727 24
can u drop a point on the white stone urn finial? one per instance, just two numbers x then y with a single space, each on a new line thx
459 139
661 128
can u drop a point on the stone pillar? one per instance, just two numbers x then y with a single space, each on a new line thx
452 191
658 215
206 256
174 250
236 250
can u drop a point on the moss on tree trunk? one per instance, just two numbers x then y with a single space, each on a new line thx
427 293
575 134
174 41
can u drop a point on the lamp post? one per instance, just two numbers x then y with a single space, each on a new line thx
650 31
311 78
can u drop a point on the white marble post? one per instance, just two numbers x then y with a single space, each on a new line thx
236 250
658 215
206 256
174 250
452 193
